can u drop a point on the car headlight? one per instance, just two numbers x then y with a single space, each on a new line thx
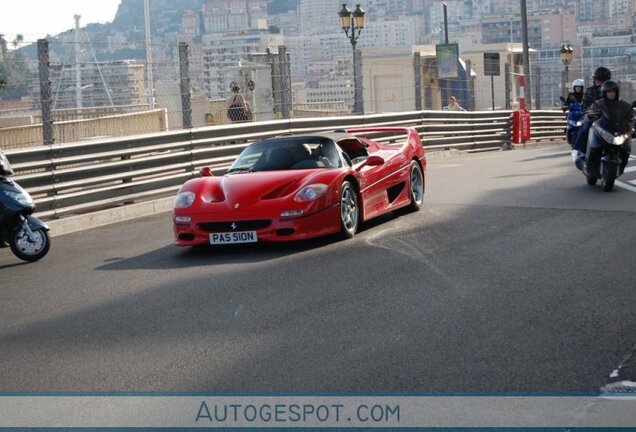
311 192
183 200
22 197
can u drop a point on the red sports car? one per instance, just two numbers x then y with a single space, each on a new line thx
295 187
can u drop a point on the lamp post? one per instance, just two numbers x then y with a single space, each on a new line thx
352 24
566 58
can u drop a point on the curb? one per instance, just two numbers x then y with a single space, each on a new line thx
536 144
100 218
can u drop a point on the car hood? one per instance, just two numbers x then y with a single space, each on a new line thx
246 189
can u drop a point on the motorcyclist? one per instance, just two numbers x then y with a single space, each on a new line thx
617 116
592 93
576 95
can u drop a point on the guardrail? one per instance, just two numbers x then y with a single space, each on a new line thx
85 176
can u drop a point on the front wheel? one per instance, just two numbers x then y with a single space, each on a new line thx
30 245
591 180
609 177
349 210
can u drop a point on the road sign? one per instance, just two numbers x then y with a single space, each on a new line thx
250 85
491 64
447 60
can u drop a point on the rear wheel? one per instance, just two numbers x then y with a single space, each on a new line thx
349 210
416 187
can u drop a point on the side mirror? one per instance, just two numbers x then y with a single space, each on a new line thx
562 99
206 171
371 161
374 161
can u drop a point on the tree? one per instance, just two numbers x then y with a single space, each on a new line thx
3 47
17 41
13 73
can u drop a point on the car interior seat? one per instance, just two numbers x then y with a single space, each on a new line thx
279 158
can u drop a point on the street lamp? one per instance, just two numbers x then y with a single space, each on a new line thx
352 24
566 58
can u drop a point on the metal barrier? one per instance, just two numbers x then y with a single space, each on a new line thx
85 176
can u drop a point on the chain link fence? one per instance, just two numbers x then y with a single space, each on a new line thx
85 89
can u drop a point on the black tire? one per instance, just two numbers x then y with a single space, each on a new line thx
591 180
27 250
609 176
349 210
416 187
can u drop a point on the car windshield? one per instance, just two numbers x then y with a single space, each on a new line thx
288 153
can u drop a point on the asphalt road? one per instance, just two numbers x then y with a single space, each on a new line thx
515 277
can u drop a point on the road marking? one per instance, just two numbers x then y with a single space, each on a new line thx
629 187
630 169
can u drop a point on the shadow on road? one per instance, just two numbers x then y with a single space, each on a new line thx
19 263
177 257
500 293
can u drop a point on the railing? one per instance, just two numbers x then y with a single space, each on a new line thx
86 176
76 130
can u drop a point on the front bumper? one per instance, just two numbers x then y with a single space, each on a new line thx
197 231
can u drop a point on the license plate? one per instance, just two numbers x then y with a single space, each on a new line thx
233 237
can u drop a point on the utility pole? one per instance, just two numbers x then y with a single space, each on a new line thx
527 89
445 23
78 66
45 92
150 84
184 69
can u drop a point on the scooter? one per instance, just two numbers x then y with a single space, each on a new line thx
26 235
574 120
613 155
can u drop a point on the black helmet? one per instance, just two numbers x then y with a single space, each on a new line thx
602 74
609 86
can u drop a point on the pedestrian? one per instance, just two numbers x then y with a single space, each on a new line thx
238 110
454 105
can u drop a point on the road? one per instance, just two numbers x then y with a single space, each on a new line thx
515 277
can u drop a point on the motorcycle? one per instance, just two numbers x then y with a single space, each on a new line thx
614 155
26 235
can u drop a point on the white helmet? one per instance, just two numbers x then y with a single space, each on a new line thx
578 83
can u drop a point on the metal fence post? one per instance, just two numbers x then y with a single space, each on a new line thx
508 84
285 91
537 96
471 85
417 68
45 92
184 69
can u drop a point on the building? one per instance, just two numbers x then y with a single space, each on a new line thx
102 84
233 15
331 92
543 30
222 52
319 16
190 26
